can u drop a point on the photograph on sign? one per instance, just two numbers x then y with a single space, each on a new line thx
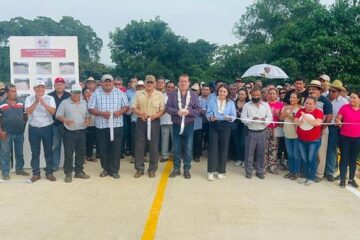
22 83
43 68
69 82
47 81
21 67
67 68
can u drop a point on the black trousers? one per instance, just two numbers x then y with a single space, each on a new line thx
74 142
110 151
219 137
91 141
197 144
140 144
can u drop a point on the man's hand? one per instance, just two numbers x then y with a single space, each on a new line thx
68 122
184 112
117 113
3 135
106 115
212 118
228 118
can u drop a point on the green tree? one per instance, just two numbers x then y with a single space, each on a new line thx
151 47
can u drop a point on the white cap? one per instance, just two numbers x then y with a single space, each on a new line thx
325 77
39 83
107 77
75 88
279 87
140 83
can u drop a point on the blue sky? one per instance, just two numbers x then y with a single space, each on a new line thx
211 20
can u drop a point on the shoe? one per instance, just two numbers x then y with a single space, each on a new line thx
293 177
196 159
330 178
174 173
35 178
221 176
288 175
116 175
164 159
237 163
82 175
187 174
51 178
342 184
260 175
68 178
138 174
22 173
132 160
152 174
309 182
353 183
302 180
248 175
6 177
337 178
104 173
210 176
317 179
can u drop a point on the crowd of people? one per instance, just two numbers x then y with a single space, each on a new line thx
300 128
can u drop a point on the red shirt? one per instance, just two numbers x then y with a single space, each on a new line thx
312 134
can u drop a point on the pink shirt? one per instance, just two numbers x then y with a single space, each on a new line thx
350 116
275 110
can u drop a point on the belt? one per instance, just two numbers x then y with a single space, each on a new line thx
257 131
75 131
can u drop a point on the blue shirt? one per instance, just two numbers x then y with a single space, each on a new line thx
198 119
229 110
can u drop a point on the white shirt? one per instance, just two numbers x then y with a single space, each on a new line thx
337 104
251 110
40 117
166 118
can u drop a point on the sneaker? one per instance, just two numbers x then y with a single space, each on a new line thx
221 176
353 183
237 164
51 178
138 174
68 178
309 182
174 173
302 180
6 177
22 173
210 176
187 174
82 175
116 175
342 183
317 179
152 174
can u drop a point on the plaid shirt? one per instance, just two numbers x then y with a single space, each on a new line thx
108 102
172 107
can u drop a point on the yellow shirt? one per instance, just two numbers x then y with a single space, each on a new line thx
149 104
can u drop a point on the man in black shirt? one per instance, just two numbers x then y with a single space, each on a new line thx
299 84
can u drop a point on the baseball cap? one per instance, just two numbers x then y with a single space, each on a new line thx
150 78
59 80
107 77
75 89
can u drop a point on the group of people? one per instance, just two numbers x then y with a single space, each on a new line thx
295 127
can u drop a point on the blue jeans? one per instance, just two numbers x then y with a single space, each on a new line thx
18 140
185 140
57 141
308 152
36 135
293 153
331 155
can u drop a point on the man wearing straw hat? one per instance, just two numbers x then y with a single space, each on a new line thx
337 102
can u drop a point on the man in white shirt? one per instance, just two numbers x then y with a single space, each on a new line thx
40 108
253 111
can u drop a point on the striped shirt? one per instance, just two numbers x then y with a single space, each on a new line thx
12 117
108 102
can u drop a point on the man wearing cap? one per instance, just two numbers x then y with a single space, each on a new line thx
325 84
148 105
59 95
73 113
90 83
183 106
337 102
40 108
13 123
108 104
325 106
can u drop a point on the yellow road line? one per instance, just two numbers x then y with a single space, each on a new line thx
153 217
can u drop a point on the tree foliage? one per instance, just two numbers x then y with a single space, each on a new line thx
151 47
89 43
